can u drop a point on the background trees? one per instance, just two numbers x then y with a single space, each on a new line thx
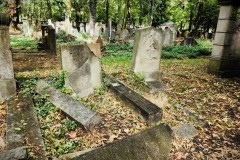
192 15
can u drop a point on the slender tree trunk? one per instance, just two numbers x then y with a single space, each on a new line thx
119 11
150 12
92 15
49 9
107 13
140 12
198 18
126 11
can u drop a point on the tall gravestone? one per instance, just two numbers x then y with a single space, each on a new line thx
225 58
83 69
168 37
7 81
147 53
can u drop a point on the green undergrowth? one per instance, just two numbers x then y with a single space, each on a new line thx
124 51
23 42
53 124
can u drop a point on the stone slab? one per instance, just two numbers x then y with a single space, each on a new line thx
146 109
14 154
25 124
185 131
152 144
84 116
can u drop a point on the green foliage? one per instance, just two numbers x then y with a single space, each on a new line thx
70 125
203 48
57 81
23 42
180 52
118 50
63 37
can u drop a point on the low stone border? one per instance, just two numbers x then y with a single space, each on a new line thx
77 111
146 109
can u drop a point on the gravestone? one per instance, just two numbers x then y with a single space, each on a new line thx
7 81
96 49
168 37
83 69
189 41
147 53
26 28
124 34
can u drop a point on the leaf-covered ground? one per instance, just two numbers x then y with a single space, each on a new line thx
214 104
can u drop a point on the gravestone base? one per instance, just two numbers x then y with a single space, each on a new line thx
8 88
225 67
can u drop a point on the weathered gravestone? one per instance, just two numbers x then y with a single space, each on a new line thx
189 41
83 69
168 37
152 144
147 53
75 110
7 82
124 34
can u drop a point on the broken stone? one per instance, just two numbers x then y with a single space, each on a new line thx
96 49
185 131
83 68
84 116
153 144
14 154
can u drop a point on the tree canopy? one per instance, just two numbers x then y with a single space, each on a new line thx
187 14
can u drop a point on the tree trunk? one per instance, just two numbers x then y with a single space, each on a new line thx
150 12
140 12
49 9
107 13
126 13
92 15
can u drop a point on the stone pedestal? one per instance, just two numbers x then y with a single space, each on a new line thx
225 58
147 53
7 82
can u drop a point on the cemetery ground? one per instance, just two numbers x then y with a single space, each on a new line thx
191 96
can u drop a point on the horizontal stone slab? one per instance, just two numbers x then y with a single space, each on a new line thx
26 125
14 154
75 110
146 109
152 144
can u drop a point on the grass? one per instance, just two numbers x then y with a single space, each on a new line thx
124 51
23 42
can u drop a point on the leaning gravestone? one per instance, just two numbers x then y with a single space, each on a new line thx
168 40
83 69
7 82
147 53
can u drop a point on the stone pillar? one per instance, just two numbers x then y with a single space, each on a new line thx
224 60
7 82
